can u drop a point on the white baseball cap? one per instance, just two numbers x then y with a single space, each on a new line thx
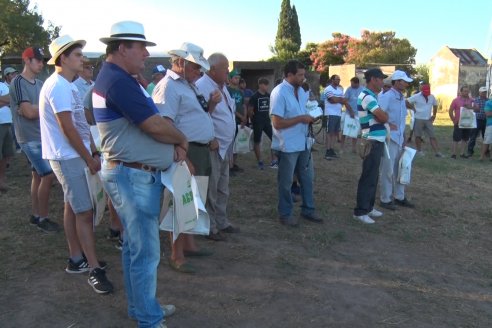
400 75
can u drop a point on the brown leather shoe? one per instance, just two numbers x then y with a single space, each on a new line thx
216 236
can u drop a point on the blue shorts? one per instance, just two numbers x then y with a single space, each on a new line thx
34 154
333 124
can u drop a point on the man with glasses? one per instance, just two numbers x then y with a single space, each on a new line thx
179 101
394 104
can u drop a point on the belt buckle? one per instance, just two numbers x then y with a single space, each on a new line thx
146 168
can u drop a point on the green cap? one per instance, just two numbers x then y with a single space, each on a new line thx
234 73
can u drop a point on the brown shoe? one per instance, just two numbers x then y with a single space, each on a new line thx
216 236
230 229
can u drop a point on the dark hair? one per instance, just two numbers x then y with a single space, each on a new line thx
242 81
292 66
355 79
263 81
333 77
67 52
305 86
113 46
465 86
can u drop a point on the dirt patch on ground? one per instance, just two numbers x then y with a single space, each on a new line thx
423 267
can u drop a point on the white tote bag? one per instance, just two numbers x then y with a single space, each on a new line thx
98 196
405 165
241 143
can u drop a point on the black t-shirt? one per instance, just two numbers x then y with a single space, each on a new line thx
261 106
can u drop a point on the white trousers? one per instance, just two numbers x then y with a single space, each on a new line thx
389 186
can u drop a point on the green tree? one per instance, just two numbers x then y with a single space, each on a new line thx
22 27
304 56
288 39
379 48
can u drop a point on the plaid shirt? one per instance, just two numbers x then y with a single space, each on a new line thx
481 104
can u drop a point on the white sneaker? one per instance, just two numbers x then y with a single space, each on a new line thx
168 310
375 213
364 219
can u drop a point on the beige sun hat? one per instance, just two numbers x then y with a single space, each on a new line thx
127 30
60 44
193 53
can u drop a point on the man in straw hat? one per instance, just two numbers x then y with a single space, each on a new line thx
68 145
178 100
137 144
24 100
223 111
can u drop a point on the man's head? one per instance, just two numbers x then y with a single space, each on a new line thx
294 73
88 70
263 84
374 79
482 92
425 89
127 46
354 82
33 58
335 80
464 91
234 78
400 80
219 68
66 54
158 73
188 61
9 73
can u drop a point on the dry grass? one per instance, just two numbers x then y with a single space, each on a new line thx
426 267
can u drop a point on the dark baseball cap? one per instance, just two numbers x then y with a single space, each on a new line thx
33 52
374 72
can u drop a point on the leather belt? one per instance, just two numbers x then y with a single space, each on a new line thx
134 165
199 144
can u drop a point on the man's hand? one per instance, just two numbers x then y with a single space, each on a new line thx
307 119
215 98
214 145
94 164
179 153
433 117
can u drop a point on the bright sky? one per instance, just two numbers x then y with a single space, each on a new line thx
244 30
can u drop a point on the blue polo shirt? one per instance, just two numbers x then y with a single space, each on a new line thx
284 104
120 105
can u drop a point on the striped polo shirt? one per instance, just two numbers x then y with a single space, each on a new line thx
367 103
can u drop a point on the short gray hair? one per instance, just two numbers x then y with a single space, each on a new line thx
215 58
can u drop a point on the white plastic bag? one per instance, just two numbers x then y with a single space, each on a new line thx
467 119
183 208
98 196
351 127
241 143
405 165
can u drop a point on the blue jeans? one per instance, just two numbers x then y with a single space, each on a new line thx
34 154
136 197
300 163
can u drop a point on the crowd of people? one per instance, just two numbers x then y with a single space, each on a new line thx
191 113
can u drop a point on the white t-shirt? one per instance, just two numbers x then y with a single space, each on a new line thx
5 113
333 109
58 95
423 109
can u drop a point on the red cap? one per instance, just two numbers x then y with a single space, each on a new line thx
33 52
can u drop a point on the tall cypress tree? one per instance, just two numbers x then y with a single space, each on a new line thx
288 39
295 28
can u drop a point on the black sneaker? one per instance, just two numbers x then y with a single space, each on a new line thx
99 282
48 226
102 264
389 205
330 154
119 244
34 220
79 267
113 234
404 202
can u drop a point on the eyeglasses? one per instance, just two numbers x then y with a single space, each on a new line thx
203 102
89 67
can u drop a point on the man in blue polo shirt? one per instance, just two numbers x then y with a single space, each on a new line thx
290 122
372 119
137 143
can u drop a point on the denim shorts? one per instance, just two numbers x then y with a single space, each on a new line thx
34 154
71 175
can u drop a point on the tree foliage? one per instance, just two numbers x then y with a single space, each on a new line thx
22 27
288 39
373 48
379 48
